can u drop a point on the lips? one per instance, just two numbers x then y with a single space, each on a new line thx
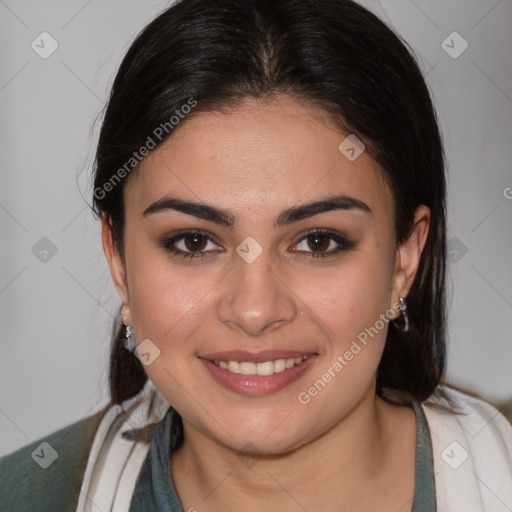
257 373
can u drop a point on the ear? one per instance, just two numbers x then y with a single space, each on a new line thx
409 252
117 270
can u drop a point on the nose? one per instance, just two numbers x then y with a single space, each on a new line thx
255 299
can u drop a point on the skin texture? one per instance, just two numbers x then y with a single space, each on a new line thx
346 445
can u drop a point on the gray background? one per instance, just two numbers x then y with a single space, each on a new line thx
56 315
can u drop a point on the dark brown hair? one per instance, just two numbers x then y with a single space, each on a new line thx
331 53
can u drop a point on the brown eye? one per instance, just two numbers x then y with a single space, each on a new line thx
195 241
318 242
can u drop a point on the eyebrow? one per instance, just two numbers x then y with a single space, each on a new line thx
226 218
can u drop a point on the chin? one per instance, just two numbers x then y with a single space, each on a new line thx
273 434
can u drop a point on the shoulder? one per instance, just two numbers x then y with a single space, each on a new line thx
47 473
479 420
472 451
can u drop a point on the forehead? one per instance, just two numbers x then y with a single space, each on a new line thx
256 154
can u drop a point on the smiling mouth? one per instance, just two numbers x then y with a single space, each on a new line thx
257 374
263 368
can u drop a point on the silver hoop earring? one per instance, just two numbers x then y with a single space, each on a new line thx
129 341
405 315
403 310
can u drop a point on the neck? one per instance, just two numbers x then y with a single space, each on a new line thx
340 465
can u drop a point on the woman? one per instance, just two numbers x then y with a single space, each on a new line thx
270 181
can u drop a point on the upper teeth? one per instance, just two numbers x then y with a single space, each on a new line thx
265 368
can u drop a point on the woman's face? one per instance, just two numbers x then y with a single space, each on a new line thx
241 279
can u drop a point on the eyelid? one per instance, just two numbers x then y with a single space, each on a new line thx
181 233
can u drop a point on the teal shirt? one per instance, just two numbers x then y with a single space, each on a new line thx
155 489
425 487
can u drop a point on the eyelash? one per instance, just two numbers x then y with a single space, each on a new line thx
343 243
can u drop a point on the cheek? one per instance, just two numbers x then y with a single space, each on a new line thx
170 309
169 313
350 298
167 301
351 304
